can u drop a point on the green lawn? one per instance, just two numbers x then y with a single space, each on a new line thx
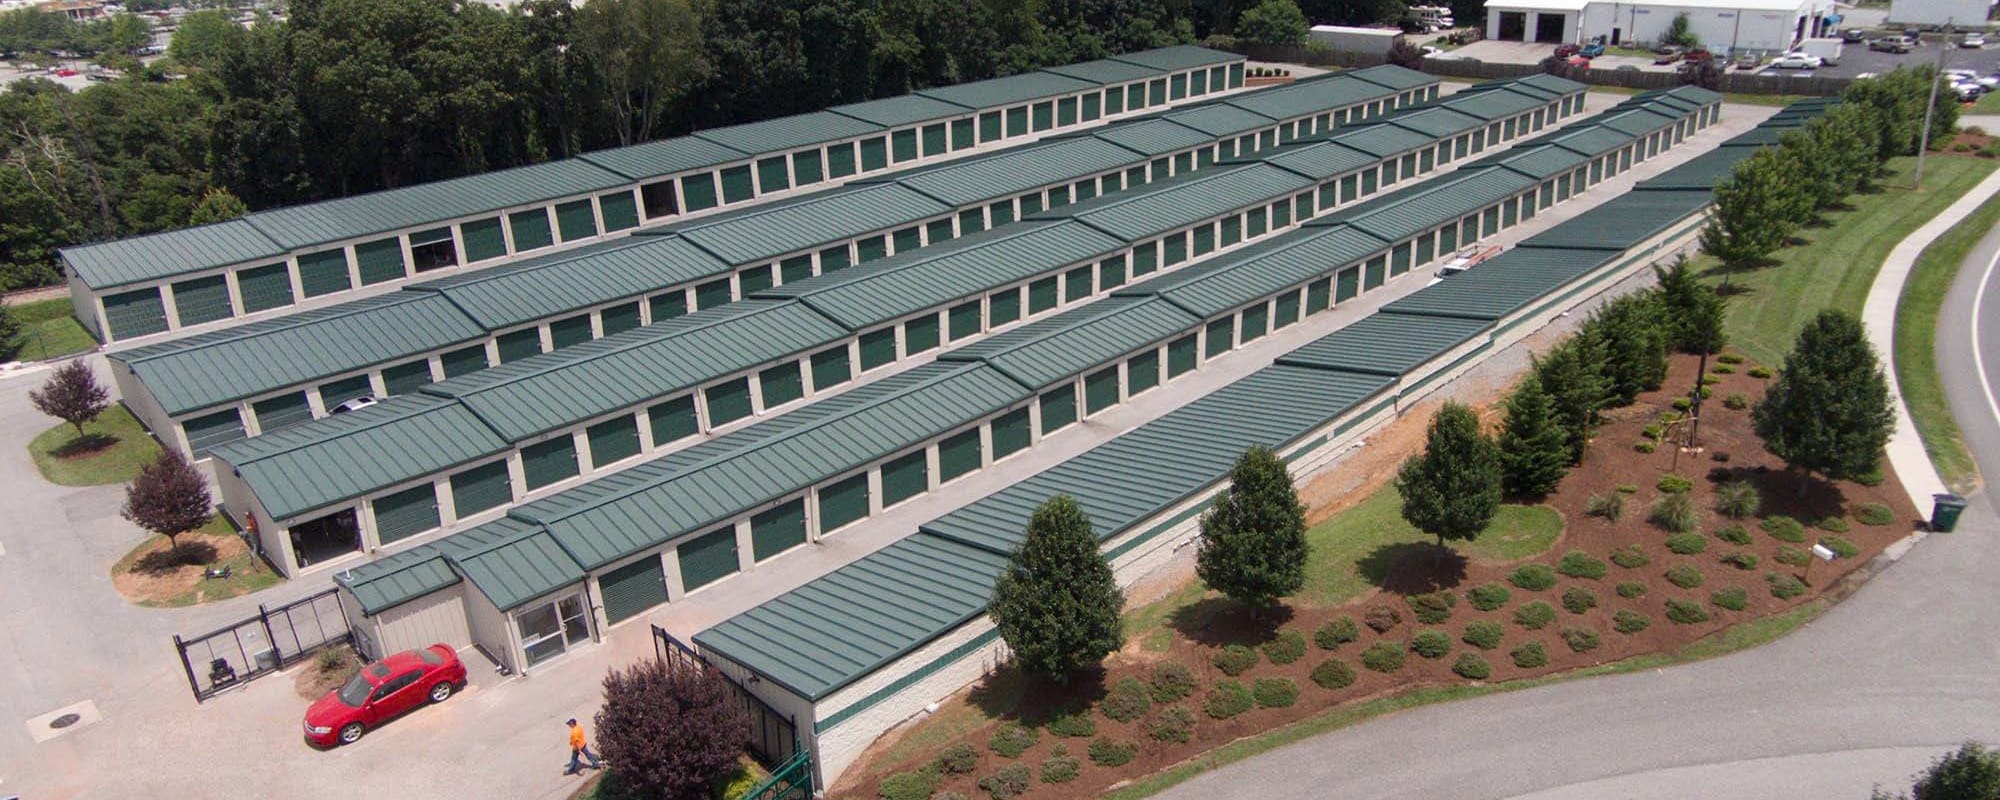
48 330
1916 339
1838 261
1988 103
134 448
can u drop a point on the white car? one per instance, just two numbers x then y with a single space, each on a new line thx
1968 76
1798 61
1973 41
356 404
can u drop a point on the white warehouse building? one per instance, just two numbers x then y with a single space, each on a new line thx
1722 25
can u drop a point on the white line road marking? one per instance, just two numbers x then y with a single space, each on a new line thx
1979 358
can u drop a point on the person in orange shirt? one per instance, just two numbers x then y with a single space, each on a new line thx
579 750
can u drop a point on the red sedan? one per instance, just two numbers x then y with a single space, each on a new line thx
383 691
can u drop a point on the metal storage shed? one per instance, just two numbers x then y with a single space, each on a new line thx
1107 71
982 179
1624 221
999 92
1179 57
1164 206
1222 285
1501 285
533 291
137 259
1701 172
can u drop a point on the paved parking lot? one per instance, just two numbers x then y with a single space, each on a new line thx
1857 59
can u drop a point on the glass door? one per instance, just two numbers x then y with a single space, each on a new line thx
550 629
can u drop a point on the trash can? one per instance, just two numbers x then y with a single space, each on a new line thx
1945 509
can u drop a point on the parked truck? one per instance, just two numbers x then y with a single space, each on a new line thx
1828 50
1355 40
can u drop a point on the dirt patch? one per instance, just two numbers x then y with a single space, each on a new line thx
1970 141
328 669
1597 625
155 575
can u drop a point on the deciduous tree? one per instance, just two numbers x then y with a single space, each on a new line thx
1972 772
670 731
218 205
1828 412
1452 489
168 498
1056 604
646 54
1253 538
1752 216
72 394
1272 22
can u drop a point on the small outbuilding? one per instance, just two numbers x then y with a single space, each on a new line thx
1720 25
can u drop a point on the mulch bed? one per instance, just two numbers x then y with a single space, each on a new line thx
1730 452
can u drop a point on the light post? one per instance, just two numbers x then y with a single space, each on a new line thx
1924 137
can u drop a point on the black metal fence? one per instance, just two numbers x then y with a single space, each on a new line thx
275 638
774 736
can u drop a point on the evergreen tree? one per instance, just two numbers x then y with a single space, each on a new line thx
218 205
1056 605
1572 374
1452 490
1534 450
1828 412
1253 539
1972 772
1692 311
1633 336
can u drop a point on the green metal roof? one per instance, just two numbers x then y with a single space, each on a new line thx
1310 96
518 567
1760 136
1319 161
304 226
311 466
664 157
1637 121
229 365
1382 139
1386 344
895 112
789 133
1412 210
1229 281
1501 285
1535 161
1016 170
1701 172
1624 221
1590 140
1179 57
1551 83
556 390
1153 136
119 262
1495 105
1179 201
826 634
814 443
900 285
1011 90
1106 71
1066 345
1219 119
392 580
1392 76
769 231
1438 122
564 282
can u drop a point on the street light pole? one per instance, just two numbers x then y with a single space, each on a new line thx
1924 140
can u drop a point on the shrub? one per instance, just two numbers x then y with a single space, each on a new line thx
1483 634
1173 724
1674 484
1275 692
1682 404
1841 546
1235 659
1075 726
1432 608
1723 369
1629 621
1631 589
913 785
1736 401
1729 358
1687 544
1578 600
1172 681
1874 514
1012 739
1533 577
671 731
1630 556
1430 643
1709 380
1471 666
1010 782
1705 391
1581 639
1626 488
1061 767
1759 372
1226 700
1285 648
1686 576
1579 564
1488 596
1733 598
1381 618
1333 674
1646 447
1653 432
1872 477
1784 529
1530 656
1383 656
1685 612
1785 587
1790 556
1737 499
1535 615
1674 512
1734 534
1107 752
958 759
1335 632
1128 699
1832 524
1609 506
1742 561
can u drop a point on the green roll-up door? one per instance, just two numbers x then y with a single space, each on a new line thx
265 287
531 229
1002 212
871 248
1346 285
323 273
1426 248
1235 75
1142 372
1287 310
806 169
1372 277
1111 273
547 462
334 393
989 126
1180 356
1079 283
964 320
908 239
1256 321
209 431
772 175
778 530
1221 335
958 454
380 261
480 488
1010 433
1319 296
1100 390
1204 240
920 334
1254 222
1145 259
673 420
843 503
972 220
831 367
406 378
1232 230
1114 100
1058 407
483 239
1156 92
275 413
406 513
619 210
874 154
781 384
1399 259
461 361
796 268
1030 203
697 192
754 279
1173 249
612 440
712 294
728 401
633 588
905 477
903 145
878 347
834 259
938 230
1042 295
1197 83
569 332
667 305
934 140
1135 96
962 135
202 300
737 184
620 318
1017 121
707 558
840 160
1091 108
1066 112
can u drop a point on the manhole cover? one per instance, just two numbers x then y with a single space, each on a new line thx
65 721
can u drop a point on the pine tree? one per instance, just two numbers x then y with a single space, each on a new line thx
1572 374
1057 605
1253 539
1692 311
1633 336
1452 489
1828 412
1534 451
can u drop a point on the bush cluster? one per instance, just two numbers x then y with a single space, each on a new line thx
1288 646
1534 616
1530 656
1629 621
1275 692
1790 556
1645 447
1383 656
1687 544
1737 499
1578 600
1723 369
1172 724
1433 607
1227 699
1736 401
1333 674
1759 372
1733 598
1579 564
1234 659
1631 589
1675 513
1682 404
1874 514
1630 556
1381 618
1010 782
1685 612
1128 699
1581 639
1841 546
1533 577
1785 587
958 759
1674 484
1483 634
1729 358
1488 596
1108 752
1784 529
1172 681
1833 524
1734 534
1626 488
1333 633
1430 643
912 785
1061 767
1472 667
1608 506
1742 561
1074 726
1686 576
1012 739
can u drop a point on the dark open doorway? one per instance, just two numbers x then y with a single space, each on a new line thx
1513 26
1550 28
325 538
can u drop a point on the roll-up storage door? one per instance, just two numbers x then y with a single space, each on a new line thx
707 559
210 431
202 300
620 211
480 488
548 462
405 378
728 401
736 184
958 454
380 261
842 503
905 477
406 513
778 529
283 411
632 588
135 313
265 287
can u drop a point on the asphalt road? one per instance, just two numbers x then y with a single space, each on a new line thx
1968 354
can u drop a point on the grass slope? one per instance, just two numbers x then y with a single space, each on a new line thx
115 464
47 331
1916 346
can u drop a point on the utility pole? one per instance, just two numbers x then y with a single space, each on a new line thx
1924 140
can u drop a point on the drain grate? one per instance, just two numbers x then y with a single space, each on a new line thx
65 721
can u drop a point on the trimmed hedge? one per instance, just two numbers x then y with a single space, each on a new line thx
1484 635
912 785
1333 674
1380 618
1234 660
1530 656
1534 616
1674 484
1333 633
1383 656
1471 667
1533 577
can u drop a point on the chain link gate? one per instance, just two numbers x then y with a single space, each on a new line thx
251 648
